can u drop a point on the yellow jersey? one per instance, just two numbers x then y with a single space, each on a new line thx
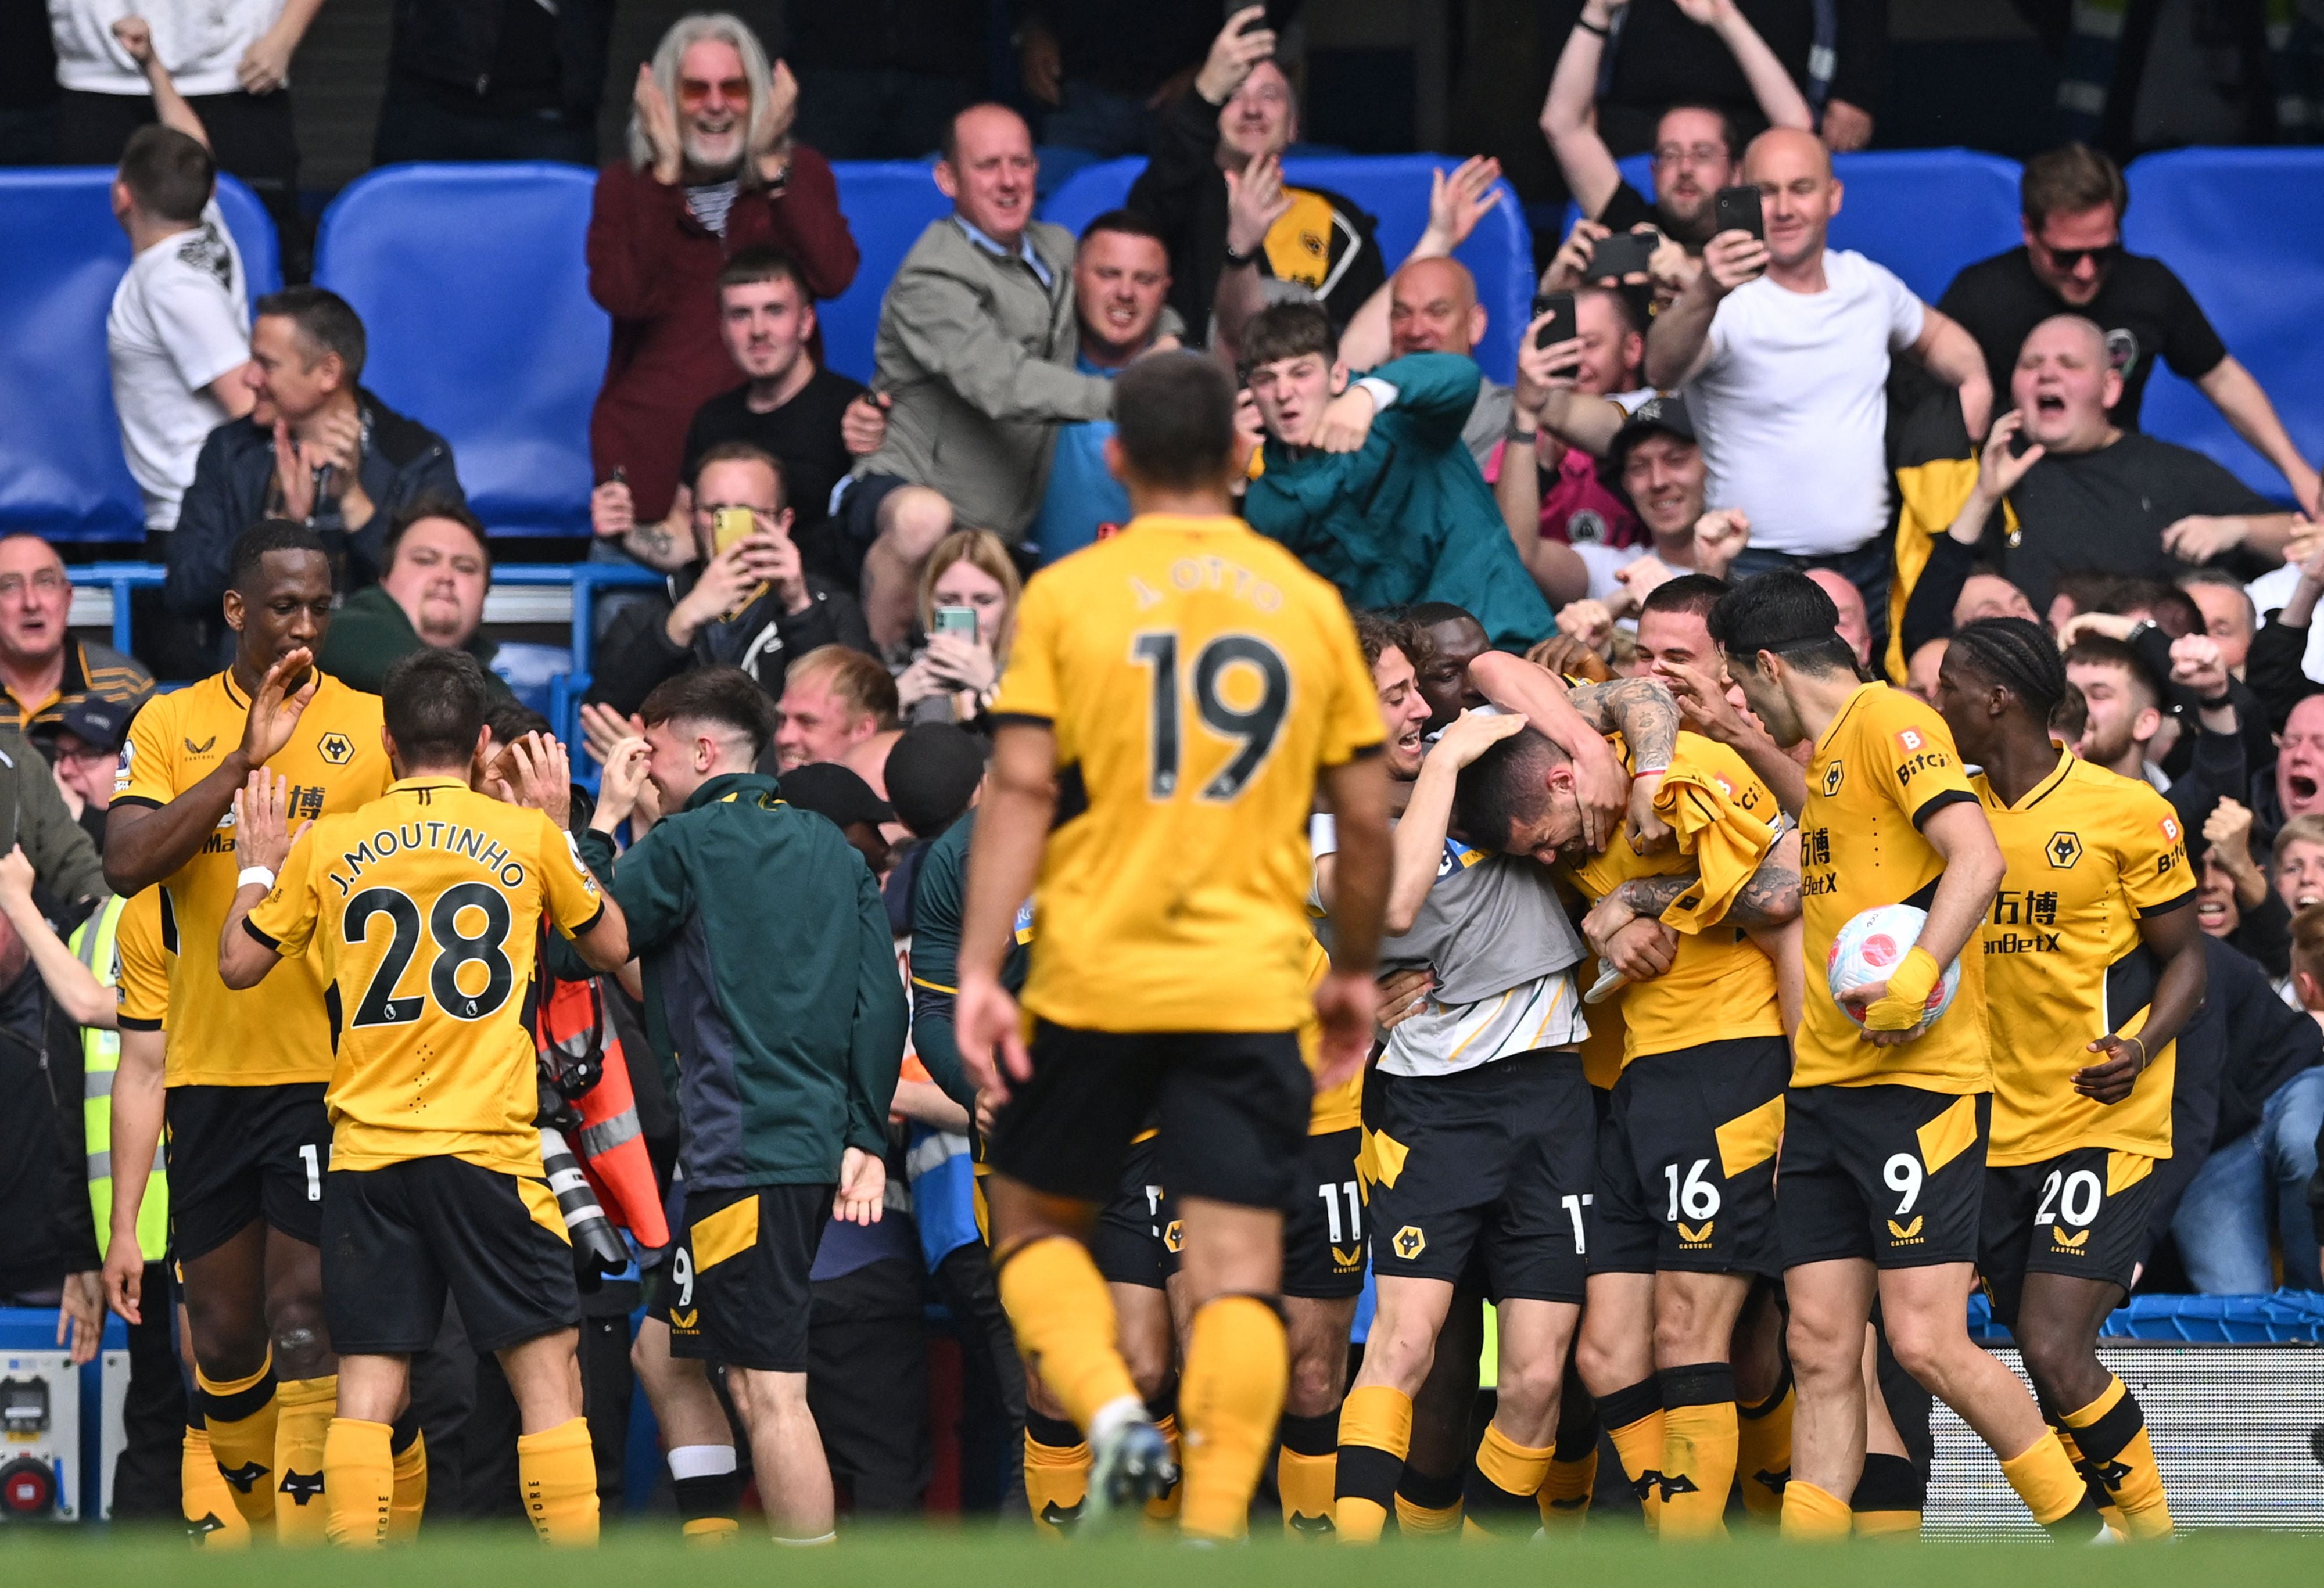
1885 765
1343 1106
275 1032
1723 820
425 908
144 943
1196 678
2089 853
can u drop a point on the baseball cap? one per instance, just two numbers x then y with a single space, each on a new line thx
100 724
830 790
1657 415
932 771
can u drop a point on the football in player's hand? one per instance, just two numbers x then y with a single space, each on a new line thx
1868 951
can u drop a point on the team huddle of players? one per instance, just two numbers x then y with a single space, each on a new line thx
1720 1213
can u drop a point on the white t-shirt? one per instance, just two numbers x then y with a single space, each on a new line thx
180 319
201 41
1792 408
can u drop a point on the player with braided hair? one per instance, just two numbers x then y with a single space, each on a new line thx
2093 967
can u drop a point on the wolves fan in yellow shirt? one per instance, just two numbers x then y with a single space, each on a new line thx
1174 697
424 908
2093 966
1684 1211
1883 1159
248 1137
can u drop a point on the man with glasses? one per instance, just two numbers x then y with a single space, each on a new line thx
45 671
2073 263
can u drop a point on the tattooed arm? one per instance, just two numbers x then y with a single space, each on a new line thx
1643 712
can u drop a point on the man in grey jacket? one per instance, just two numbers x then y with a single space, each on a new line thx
976 347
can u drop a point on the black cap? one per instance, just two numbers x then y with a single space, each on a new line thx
830 790
99 722
1657 415
932 771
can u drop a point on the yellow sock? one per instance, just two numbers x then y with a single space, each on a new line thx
1888 1498
359 1482
1375 1433
300 1427
2046 1480
1501 1486
1056 1474
1427 1507
1063 1316
1307 1462
1634 1420
2111 1434
211 1515
1230 1397
558 1474
1699 1449
2108 1511
1763 1452
240 1415
1812 1516
411 1502
1163 1507
1566 1487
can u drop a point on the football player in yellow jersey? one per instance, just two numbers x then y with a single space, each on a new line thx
1883 1159
2093 966
249 1139
424 907
1174 695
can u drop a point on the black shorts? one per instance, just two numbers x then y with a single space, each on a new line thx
2082 1214
1135 1239
396 1239
240 1153
1496 1162
841 544
1324 1227
1686 1161
736 1291
1889 1172
1233 1106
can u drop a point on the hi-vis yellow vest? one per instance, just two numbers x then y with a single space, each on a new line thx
100 1057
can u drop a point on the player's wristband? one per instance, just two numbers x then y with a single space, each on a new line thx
257 874
1906 1004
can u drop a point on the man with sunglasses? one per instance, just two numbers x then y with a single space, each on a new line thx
2073 263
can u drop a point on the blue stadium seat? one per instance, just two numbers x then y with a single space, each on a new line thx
888 205
1924 213
2245 229
473 284
1394 189
61 473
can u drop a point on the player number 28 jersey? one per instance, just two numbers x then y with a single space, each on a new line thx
1195 677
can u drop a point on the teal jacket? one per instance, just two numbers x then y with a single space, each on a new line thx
770 983
939 895
1408 518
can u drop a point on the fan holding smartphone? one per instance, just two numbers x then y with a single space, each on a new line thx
968 608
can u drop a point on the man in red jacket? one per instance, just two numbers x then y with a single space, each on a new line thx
712 170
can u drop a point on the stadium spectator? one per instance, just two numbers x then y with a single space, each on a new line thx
747 599
834 697
2083 494
2126 707
1371 485
231 59
439 567
87 752
2283 653
2237 904
881 79
318 449
953 677
2229 615
1668 53
517 80
1108 69
978 335
45 671
711 170
1243 110
1121 282
1783 348
2297 786
809 418
1696 145
2072 261
788 1026
177 335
